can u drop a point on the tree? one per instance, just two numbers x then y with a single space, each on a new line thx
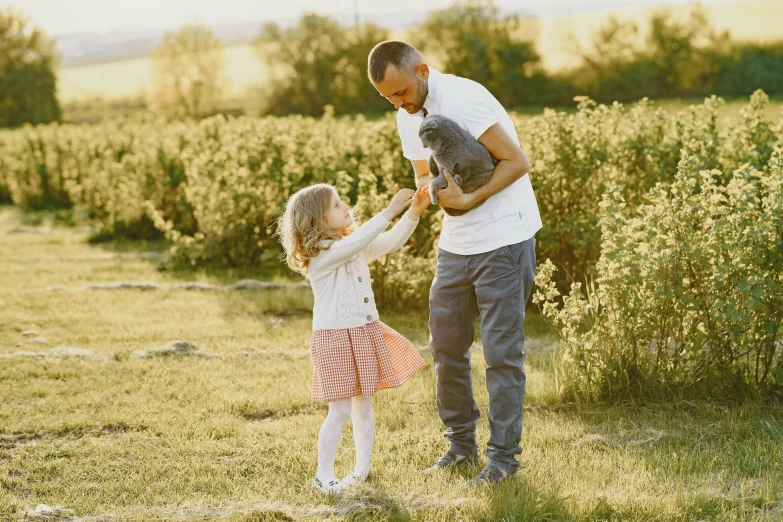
678 52
675 58
319 62
615 66
28 83
188 72
472 40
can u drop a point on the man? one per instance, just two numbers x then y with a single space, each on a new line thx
486 257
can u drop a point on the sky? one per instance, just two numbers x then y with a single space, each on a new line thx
58 17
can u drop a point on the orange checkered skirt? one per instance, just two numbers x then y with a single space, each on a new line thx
360 361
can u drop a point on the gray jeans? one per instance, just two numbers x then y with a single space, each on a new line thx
497 285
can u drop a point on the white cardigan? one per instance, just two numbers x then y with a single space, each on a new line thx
340 277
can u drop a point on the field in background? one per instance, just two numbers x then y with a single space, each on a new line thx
131 78
747 19
97 423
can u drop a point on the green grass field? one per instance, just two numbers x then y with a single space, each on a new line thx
99 431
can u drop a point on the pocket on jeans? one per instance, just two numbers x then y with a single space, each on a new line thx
511 254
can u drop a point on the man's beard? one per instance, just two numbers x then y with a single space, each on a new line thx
422 90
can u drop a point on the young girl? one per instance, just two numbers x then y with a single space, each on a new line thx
354 354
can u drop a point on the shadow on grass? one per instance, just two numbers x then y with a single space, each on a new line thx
692 450
518 500
513 500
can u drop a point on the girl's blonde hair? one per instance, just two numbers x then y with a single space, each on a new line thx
303 225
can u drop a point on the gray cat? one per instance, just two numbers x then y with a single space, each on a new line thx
455 150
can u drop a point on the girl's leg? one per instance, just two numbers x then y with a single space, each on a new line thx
329 438
363 434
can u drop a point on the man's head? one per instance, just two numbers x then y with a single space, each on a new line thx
398 72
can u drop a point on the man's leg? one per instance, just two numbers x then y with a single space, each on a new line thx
503 282
453 310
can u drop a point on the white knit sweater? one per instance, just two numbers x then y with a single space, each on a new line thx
340 277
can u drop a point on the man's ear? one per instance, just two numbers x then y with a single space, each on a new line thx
423 71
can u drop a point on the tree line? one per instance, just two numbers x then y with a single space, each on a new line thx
320 62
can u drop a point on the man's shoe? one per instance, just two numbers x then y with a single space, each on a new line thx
491 475
452 459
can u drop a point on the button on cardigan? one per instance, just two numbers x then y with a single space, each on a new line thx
340 277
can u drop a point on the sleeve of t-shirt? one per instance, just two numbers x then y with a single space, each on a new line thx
408 128
476 116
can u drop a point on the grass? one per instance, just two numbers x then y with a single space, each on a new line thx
232 437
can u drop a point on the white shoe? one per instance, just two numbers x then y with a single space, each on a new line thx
353 478
332 487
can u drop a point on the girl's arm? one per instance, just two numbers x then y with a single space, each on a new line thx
391 240
340 252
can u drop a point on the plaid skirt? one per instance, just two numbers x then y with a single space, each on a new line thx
356 361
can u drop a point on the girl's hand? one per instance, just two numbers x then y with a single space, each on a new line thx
398 203
421 200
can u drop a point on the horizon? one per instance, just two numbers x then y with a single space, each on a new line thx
96 17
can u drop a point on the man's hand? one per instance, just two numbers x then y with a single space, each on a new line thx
512 165
452 196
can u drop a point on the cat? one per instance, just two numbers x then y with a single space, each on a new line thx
455 150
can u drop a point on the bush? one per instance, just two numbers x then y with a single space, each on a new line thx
240 173
5 192
215 187
688 295
39 173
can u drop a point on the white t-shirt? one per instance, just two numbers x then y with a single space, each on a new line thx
508 217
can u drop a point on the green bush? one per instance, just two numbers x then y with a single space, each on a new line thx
576 156
5 192
239 174
688 294
39 174
215 187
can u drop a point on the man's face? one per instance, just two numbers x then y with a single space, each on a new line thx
405 89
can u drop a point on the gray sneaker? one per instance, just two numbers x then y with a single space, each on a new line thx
492 473
452 458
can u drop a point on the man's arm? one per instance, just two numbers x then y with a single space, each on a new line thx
422 170
512 165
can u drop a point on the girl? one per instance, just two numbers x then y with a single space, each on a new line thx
354 354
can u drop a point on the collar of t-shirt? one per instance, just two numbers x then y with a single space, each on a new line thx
431 103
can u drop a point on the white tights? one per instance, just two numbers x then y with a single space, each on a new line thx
360 411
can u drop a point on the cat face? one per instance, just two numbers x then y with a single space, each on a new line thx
429 132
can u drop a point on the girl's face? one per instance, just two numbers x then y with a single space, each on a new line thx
338 218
